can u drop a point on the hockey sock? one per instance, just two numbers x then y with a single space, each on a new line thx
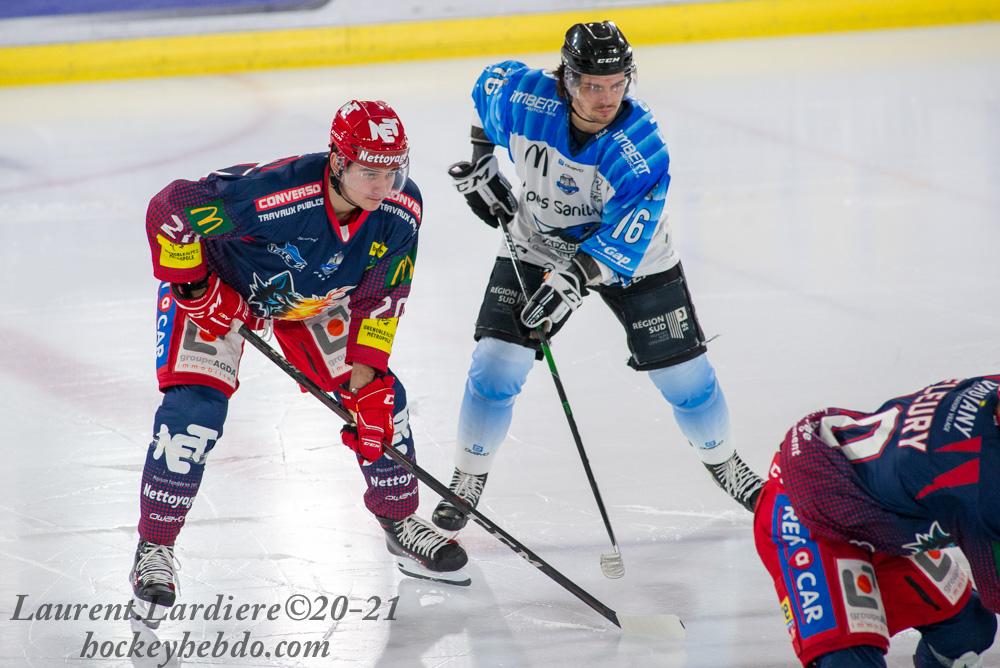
186 427
392 492
862 656
496 376
964 636
699 406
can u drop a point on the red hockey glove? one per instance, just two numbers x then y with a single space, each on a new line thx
372 407
218 311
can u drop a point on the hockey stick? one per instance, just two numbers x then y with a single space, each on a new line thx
611 563
661 626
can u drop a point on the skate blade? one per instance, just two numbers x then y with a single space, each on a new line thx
412 569
147 613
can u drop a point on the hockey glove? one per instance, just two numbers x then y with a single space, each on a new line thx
372 407
559 295
562 292
487 191
218 311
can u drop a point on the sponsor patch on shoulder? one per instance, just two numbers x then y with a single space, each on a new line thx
209 219
401 270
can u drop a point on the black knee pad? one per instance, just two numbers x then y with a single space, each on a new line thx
659 319
499 315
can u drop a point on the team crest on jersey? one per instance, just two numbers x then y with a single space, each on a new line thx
330 265
276 298
289 253
567 184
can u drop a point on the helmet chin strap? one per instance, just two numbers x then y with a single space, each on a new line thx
335 182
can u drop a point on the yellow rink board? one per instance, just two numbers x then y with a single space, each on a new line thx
423 40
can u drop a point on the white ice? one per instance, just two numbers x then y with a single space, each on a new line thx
834 200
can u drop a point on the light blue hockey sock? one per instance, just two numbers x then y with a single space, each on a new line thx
699 406
496 376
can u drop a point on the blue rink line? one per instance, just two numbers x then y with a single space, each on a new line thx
24 8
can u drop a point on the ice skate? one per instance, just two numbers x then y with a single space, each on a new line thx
154 582
469 487
737 480
422 552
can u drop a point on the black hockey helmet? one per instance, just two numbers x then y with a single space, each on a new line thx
597 48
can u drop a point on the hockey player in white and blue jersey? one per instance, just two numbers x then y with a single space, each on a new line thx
590 216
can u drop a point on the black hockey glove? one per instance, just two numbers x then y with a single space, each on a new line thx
562 292
557 297
487 192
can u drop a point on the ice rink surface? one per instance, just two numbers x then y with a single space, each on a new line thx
835 203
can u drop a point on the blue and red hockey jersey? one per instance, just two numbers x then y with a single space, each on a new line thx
270 232
920 473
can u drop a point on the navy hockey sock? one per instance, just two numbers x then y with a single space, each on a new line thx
971 631
187 425
862 656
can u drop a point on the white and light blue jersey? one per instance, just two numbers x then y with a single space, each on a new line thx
606 199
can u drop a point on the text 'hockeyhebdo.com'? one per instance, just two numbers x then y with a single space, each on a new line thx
143 643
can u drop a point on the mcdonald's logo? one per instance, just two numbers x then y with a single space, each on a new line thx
401 271
209 219
541 154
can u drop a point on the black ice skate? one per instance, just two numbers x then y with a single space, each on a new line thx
737 480
421 552
154 582
469 487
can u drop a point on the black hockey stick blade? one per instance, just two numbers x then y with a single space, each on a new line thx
663 626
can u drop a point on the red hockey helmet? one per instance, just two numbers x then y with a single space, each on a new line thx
370 135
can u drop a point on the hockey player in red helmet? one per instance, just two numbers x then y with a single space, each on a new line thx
323 246
369 154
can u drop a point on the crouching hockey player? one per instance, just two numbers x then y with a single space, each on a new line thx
853 519
323 246
590 216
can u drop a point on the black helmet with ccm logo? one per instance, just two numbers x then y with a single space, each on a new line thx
597 48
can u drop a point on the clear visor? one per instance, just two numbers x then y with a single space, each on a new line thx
373 183
594 86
